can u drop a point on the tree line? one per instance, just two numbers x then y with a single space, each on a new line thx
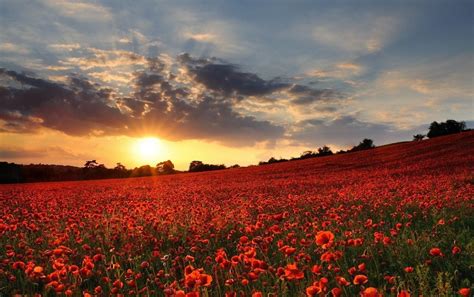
435 130
17 173
323 151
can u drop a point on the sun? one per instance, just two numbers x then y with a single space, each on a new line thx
148 149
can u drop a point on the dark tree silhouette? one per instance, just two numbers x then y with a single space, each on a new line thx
324 151
120 171
91 164
120 167
165 167
145 170
275 160
197 166
272 160
306 155
363 145
418 137
445 128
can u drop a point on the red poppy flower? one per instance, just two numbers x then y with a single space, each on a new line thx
325 239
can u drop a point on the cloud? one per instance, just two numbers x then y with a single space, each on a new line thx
99 58
8 47
79 108
350 66
366 35
116 76
305 95
204 33
203 37
80 10
124 93
66 46
345 131
342 70
173 105
275 99
226 78
158 105
12 153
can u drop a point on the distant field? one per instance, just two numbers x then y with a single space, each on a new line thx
392 220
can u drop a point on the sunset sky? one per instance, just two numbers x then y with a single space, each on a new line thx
226 81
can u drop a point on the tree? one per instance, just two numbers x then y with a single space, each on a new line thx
307 154
197 166
418 137
120 167
194 165
120 171
445 128
324 151
363 145
145 170
91 164
165 167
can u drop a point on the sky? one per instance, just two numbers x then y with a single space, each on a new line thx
226 82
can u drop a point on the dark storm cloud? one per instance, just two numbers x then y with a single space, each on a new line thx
306 95
176 117
233 128
78 108
158 105
148 80
186 98
227 78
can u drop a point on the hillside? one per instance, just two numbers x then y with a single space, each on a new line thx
391 220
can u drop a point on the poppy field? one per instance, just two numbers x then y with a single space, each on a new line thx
397 220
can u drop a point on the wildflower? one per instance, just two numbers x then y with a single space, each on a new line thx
117 284
360 279
352 270
312 291
316 269
243 239
371 292
145 265
336 292
435 252
324 239
196 278
293 273
403 293
98 290
342 281
289 251
318 287
18 265
456 250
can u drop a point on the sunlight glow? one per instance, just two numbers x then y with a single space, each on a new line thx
148 150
